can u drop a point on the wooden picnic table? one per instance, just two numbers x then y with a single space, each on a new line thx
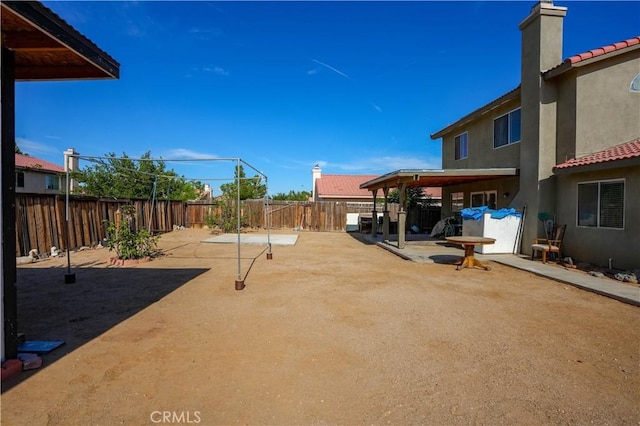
469 243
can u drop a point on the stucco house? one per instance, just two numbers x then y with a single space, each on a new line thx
566 142
37 176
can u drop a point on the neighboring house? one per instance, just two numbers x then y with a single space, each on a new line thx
340 187
37 176
572 129
347 188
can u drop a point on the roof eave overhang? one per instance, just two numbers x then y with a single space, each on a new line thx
567 65
47 33
435 178
596 167
507 97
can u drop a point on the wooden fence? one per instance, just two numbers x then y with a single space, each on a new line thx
41 219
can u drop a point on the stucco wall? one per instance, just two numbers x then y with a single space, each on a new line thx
36 183
607 113
597 245
481 153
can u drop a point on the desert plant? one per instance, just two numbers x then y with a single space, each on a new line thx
225 217
129 244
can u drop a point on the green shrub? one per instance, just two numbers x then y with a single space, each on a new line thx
129 244
227 219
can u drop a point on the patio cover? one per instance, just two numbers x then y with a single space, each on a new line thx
435 177
36 44
47 48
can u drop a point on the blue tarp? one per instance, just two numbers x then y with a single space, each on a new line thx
475 213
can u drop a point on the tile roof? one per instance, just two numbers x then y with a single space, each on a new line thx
594 53
619 152
343 186
348 186
28 162
604 49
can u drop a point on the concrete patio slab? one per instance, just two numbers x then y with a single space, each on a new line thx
259 239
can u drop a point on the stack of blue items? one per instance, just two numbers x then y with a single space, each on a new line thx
475 213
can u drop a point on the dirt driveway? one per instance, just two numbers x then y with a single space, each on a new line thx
331 331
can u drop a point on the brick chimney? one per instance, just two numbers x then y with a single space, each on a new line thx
541 50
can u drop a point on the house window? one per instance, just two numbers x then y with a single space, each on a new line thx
457 201
52 182
461 146
506 129
485 198
19 179
601 204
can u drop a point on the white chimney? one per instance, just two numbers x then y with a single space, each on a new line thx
71 164
316 174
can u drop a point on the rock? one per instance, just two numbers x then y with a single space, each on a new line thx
626 277
22 260
596 274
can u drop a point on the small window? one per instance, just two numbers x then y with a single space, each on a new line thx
457 201
506 129
19 179
601 204
52 182
485 198
461 146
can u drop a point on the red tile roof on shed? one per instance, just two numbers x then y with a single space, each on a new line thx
619 152
604 49
28 162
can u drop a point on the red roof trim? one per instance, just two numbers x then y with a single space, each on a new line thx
619 152
603 50
28 162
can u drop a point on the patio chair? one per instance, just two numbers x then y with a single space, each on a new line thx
547 245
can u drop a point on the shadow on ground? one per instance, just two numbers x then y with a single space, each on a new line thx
49 309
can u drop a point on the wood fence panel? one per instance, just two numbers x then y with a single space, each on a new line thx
61 223
41 224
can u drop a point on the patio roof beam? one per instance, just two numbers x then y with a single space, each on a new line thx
412 178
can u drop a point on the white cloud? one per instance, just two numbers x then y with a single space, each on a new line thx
182 153
205 33
313 71
376 107
387 164
216 70
33 148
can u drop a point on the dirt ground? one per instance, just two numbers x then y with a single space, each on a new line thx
330 331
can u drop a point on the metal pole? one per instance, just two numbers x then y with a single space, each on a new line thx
69 278
239 280
153 202
269 254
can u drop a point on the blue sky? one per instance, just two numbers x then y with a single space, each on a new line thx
356 87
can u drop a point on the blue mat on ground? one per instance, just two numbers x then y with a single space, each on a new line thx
39 346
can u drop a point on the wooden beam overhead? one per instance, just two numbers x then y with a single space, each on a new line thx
30 41
42 40
64 72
